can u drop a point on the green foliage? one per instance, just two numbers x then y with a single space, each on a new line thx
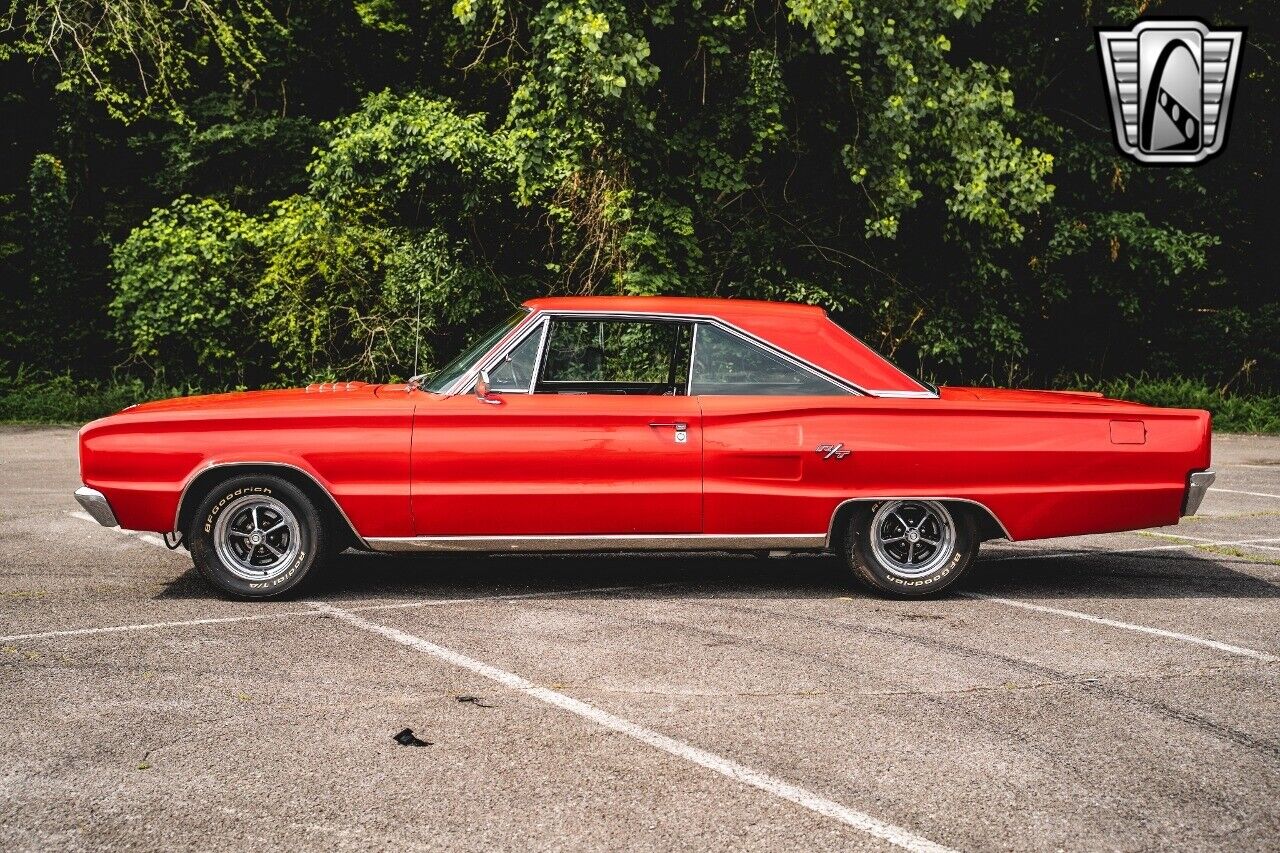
142 55
297 183
28 397
182 297
1256 413
52 278
409 150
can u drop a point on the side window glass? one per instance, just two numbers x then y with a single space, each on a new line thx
515 371
726 364
593 356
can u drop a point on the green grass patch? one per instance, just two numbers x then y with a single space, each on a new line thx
65 399
1257 413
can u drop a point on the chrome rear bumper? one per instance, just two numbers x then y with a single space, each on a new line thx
95 503
1197 486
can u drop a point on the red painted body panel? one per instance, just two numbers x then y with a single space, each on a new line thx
403 463
556 464
1044 470
353 443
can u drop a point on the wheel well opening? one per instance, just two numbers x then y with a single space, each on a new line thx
208 479
988 526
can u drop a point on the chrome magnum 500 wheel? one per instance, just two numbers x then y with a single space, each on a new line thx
910 547
256 536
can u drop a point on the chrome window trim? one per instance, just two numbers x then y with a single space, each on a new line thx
831 528
538 328
249 464
693 354
903 395
605 542
468 378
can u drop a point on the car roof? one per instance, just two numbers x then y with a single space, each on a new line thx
801 330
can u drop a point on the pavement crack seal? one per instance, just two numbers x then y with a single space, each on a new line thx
711 761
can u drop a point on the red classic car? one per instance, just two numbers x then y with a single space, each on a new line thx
641 424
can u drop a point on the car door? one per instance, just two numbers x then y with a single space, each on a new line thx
587 430
766 417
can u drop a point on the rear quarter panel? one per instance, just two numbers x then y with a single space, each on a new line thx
1044 469
354 446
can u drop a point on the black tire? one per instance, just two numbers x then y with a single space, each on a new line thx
876 568
301 543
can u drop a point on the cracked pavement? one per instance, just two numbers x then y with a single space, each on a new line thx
199 723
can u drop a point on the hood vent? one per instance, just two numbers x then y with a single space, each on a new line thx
326 387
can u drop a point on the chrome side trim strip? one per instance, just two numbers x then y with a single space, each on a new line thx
242 464
903 395
605 542
95 503
1198 484
831 530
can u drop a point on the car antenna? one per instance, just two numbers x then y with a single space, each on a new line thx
417 324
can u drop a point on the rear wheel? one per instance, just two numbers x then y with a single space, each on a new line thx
910 548
256 536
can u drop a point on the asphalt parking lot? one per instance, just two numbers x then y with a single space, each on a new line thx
1107 692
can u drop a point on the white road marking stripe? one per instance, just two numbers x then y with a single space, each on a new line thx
1128 626
115 629
284 614
711 761
1085 552
1238 492
149 538
1252 543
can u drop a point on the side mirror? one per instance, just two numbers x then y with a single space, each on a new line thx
482 389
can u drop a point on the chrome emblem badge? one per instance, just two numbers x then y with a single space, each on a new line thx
833 451
1169 83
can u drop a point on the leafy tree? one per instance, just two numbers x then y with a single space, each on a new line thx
937 172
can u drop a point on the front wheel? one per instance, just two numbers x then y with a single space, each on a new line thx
256 536
910 548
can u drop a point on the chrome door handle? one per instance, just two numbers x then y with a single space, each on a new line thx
680 426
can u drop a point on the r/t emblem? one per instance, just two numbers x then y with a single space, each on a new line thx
833 451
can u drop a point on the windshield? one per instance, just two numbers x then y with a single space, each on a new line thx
464 361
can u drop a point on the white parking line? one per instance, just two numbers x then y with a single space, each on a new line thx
1085 552
1238 492
1127 626
149 538
1252 542
284 614
711 761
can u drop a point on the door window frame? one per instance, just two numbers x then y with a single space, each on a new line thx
648 319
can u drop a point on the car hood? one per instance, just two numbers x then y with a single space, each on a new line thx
284 397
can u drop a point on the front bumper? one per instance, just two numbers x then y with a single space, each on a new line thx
1197 486
95 503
